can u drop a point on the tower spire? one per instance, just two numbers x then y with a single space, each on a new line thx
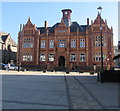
28 18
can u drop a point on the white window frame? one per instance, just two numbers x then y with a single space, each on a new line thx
51 57
51 43
42 57
27 57
61 43
72 57
82 57
82 42
73 43
27 43
42 45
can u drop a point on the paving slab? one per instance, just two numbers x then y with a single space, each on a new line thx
50 90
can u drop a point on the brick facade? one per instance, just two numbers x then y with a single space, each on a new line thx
66 44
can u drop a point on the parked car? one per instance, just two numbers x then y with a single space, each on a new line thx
117 67
2 64
12 67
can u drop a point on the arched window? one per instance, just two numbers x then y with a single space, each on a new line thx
42 57
73 57
51 57
97 57
82 57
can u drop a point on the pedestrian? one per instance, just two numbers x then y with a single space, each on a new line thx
8 66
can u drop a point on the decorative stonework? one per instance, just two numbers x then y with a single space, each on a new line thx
66 42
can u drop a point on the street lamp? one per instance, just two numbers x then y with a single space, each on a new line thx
101 38
108 60
19 42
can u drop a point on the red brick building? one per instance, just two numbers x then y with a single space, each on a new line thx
65 44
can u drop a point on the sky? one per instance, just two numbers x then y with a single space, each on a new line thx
16 13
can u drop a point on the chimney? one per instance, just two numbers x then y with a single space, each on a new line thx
46 24
87 21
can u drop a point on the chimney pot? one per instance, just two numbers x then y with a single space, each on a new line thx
46 24
87 21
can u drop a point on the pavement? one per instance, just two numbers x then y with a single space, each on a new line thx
56 90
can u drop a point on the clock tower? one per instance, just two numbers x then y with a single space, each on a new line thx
67 16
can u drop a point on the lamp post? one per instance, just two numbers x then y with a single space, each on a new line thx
101 38
19 42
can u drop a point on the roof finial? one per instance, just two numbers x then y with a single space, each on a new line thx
111 28
28 18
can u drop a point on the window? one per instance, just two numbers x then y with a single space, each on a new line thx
51 57
27 57
28 43
82 57
51 44
42 57
42 43
97 41
73 57
73 43
97 57
61 43
61 31
97 44
82 42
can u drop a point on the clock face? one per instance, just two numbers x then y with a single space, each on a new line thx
65 12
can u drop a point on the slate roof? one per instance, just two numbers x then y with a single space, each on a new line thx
4 37
84 27
51 30
73 28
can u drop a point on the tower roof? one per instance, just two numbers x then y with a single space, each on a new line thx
97 20
67 10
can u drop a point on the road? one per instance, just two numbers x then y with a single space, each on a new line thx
57 91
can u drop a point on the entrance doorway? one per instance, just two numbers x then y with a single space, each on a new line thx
61 61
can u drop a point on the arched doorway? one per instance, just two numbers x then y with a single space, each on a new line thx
61 61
